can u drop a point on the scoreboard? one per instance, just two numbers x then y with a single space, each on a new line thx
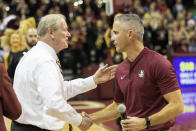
185 69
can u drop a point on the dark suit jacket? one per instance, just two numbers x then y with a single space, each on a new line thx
9 104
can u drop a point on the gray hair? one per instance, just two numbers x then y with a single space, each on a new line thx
133 22
51 21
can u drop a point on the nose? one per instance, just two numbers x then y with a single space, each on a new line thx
14 40
35 38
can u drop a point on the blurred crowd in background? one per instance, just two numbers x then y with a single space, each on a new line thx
169 27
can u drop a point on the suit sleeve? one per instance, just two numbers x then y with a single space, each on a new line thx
11 106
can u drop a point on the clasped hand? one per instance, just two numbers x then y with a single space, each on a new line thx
86 122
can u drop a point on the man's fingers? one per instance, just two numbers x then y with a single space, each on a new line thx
113 67
126 121
86 121
84 114
126 127
110 68
104 68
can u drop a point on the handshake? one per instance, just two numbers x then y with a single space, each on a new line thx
86 122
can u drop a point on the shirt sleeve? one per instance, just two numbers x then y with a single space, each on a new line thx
50 88
11 106
165 76
78 86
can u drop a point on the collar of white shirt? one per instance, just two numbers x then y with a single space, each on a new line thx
47 48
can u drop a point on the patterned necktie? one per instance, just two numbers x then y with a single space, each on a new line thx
59 64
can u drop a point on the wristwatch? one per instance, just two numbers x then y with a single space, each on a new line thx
147 123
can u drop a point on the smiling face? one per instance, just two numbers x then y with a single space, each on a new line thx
62 36
15 40
120 37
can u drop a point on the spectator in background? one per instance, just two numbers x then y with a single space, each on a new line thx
103 17
15 40
194 9
2 53
32 6
162 6
78 40
160 38
148 40
16 43
9 104
184 33
40 12
137 8
191 35
89 16
31 37
181 15
177 7
155 16
168 19
3 11
100 45
189 15
11 21
176 37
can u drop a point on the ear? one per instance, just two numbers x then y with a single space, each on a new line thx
130 34
51 33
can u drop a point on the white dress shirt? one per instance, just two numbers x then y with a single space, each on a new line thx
43 93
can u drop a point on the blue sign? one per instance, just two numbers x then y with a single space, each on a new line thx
185 68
